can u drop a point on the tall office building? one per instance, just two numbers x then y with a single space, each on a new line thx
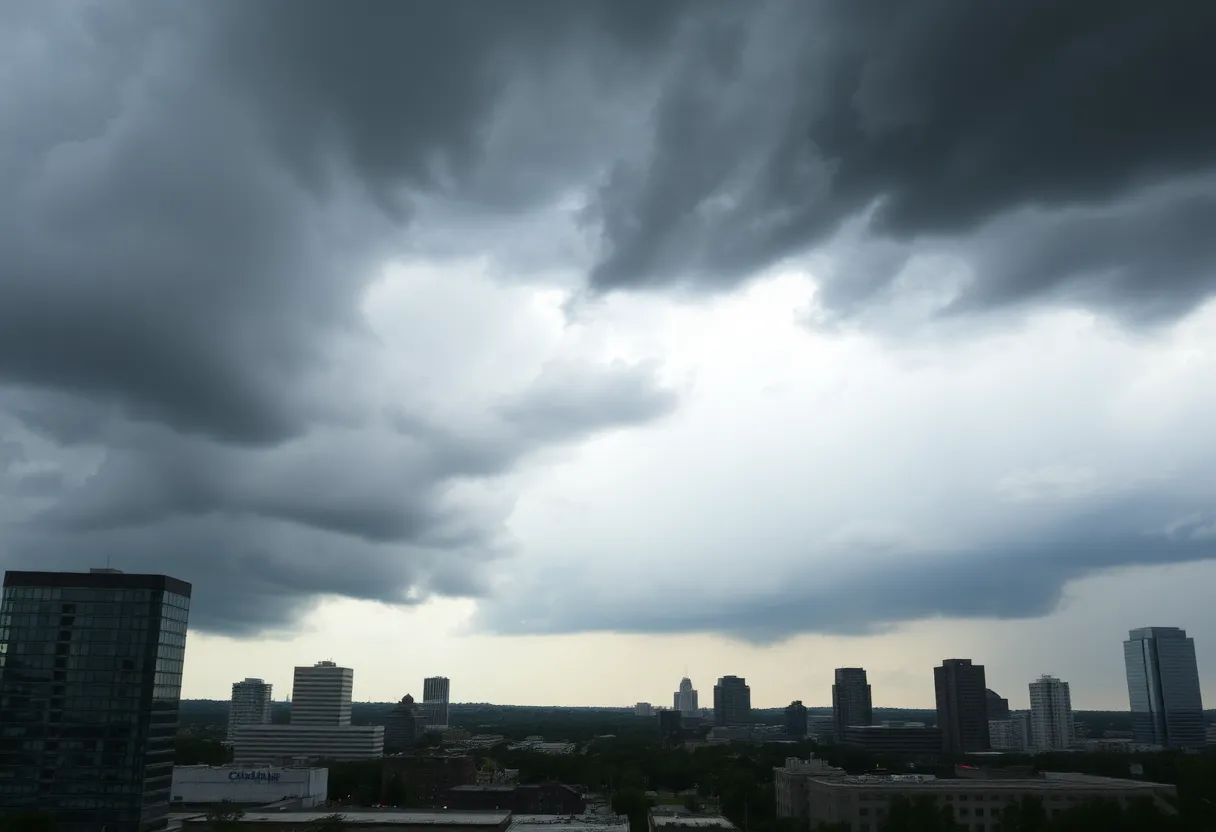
795 720
1051 725
320 695
250 704
732 701
998 706
320 726
401 724
90 679
685 699
962 706
436 693
1163 687
851 703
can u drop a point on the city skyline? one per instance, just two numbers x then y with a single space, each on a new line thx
617 334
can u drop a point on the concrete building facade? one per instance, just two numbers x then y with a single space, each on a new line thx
265 745
1051 724
685 699
321 694
250 704
206 785
1010 734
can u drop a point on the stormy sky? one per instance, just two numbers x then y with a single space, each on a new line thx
616 339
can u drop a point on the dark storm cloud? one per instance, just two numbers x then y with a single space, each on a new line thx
859 592
194 198
943 114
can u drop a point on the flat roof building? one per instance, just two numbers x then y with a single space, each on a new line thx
977 803
264 745
207 785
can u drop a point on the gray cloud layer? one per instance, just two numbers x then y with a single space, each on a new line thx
196 196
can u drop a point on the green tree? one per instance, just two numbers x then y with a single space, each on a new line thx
225 817
633 804
329 823
1025 815
28 822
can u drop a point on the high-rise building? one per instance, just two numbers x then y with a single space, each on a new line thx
320 726
90 679
998 706
851 702
643 709
732 701
1163 687
795 720
401 724
1051 725
436 696
685 699
321 694
250 704
962 706
671 726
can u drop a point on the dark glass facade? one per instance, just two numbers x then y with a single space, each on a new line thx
1163 688
90 680
962 706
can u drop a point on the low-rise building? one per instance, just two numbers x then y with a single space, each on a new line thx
790 783
200 786
262 745
977 802
394 821
576 823
1011 734
668 819
425 777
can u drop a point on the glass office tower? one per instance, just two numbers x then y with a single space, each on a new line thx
90 678
1163 687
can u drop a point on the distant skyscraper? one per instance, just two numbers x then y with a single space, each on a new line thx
851 702
732 701
90 679
1163 687
250 704
685 700
401 724
962 706
998 706
643 709
795 720
1051 725
320 695
671 726
436 698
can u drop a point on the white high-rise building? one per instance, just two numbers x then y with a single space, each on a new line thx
436 696
1011 734
685 699
320 726
320 695
250 704
1051 725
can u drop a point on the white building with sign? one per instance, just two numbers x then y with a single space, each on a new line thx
197 785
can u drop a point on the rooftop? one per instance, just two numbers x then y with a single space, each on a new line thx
402 818
1050 781
690 821
569 823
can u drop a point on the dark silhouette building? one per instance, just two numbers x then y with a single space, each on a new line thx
851 703
535 799
998 706
90 680
671 726
962 706
795 720
913 742
420 779
732 701
403 725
